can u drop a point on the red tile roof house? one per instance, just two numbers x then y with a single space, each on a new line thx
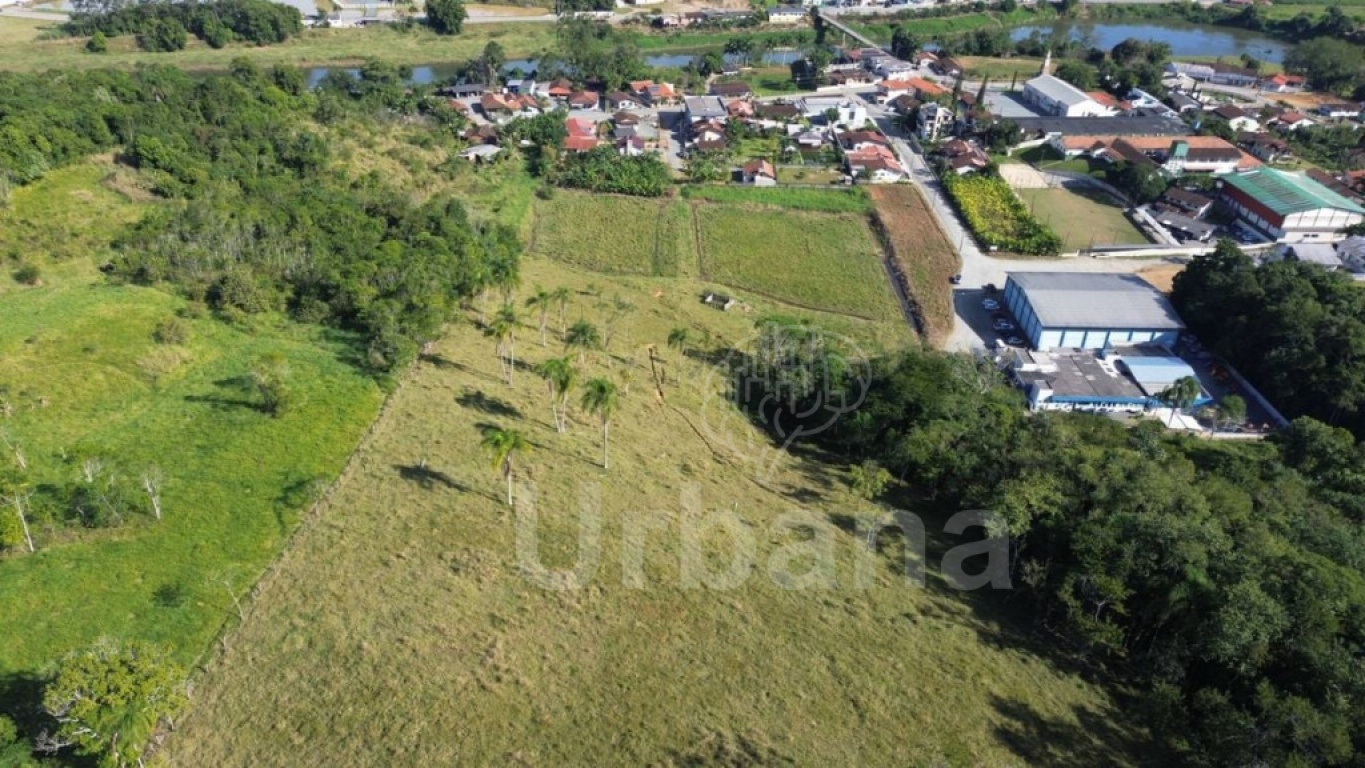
740 108
878 163
857 141
759 173
582 134
661 93
560 89
584 100
630 146
495 105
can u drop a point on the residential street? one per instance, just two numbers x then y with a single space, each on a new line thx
971 330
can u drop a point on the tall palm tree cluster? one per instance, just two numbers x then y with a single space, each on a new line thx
600 396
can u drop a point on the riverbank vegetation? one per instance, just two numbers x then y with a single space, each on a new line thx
163 26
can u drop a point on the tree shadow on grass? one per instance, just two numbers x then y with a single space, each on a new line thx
235 392
428 478
493 406
1062 743
445 363
21 700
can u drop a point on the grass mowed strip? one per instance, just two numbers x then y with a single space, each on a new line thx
848 200
824 261
85 379
401 629
925 257
615 234
1083 218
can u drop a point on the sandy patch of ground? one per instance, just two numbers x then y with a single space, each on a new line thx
1161 275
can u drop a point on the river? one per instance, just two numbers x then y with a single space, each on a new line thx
1184 39
424 74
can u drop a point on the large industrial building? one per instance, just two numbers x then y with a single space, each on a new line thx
1289 207
1058 98
1127 380
1078 310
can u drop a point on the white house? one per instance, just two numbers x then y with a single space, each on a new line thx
1058 98
847 111
1237 119
934 120
787 14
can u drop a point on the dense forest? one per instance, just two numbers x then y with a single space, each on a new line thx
259 218
163 26
1295 330
1223 580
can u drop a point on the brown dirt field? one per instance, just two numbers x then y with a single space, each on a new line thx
1161 275
925 257
1305 101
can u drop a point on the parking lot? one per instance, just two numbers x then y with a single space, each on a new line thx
971 307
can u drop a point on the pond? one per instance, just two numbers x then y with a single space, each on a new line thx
424 74
1184 39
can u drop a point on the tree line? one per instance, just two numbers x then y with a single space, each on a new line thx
164 26
1295 330
1223 581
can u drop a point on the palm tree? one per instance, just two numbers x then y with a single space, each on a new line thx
504 445
559 375
582 336
677 339
1180 395
600 397
502 329
540 301
560 296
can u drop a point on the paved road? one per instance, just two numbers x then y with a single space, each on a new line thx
971 329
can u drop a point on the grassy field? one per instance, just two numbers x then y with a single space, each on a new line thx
824 261
926 258
86 380
607 233
1000 71
21 50
843 200
803 247
1082 217
400 629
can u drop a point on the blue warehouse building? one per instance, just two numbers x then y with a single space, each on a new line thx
1077 310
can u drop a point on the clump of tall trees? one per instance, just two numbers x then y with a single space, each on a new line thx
1295 330
165 26
1225 581
260 217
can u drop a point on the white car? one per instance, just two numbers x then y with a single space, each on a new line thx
990 305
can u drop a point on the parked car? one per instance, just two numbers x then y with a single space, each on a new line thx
1015 341
990 288
990 304
955 280
1003 325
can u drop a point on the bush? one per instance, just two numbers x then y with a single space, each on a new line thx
28 274
270 377
602 170
997 217
9 732
97 43
171 331
162 36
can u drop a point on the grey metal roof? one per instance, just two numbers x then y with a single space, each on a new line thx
1316 253
1096 300
1058 90
704 106
1104 126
